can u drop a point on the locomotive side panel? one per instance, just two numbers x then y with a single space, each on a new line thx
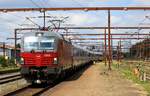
65 54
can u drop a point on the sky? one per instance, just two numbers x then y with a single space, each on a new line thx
10 21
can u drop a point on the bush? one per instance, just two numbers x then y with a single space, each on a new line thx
11 62
9 70
7 63
3 62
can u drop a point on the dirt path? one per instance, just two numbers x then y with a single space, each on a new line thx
94 82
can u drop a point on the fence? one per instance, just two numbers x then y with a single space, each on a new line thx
140 68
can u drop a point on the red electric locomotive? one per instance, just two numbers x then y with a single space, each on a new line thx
46 56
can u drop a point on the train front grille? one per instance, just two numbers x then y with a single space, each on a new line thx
46 61
38 62
30 61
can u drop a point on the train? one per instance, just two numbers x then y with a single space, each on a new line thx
46 56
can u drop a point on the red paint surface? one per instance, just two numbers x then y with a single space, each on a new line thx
39 58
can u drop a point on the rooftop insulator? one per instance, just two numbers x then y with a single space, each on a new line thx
42 10
4 10
85 9
125 9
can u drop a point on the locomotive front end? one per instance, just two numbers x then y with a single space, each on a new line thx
39 58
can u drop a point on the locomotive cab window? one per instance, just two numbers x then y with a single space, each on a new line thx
31 43
47 43
39 43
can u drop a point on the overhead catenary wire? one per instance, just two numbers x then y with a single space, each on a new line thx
42 3
37 5
25 20
80 6
34 3
33 22
17 17
77 3
45 3
9 21
48 3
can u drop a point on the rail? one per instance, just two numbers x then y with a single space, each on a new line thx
10 78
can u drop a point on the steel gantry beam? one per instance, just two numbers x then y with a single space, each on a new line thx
85 27
73 9
106 38
88 42
114 34
91 44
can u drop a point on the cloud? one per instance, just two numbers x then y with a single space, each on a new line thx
82 19
115 19
10 21
77 18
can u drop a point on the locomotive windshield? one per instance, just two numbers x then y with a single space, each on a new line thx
46 43
38 43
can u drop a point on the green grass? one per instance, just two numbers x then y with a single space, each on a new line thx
127 73
4 70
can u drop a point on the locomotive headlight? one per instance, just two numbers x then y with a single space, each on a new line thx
39 34
55 61
22 61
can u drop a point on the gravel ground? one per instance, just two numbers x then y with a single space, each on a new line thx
96 82
11 86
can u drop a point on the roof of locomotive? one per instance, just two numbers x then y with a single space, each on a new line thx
58 36
45 33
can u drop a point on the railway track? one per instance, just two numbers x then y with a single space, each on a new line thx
36 90
30 90
10 78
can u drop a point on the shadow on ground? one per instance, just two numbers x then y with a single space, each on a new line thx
79 73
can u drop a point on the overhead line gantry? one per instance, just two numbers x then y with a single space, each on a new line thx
73 9
109 9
